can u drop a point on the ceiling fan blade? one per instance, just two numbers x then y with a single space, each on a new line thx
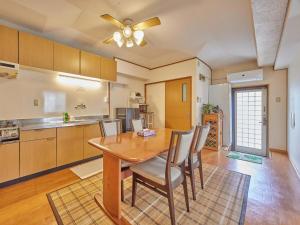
112 20
108 40
143 43
147 23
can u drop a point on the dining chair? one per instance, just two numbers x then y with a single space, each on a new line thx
194 160
114 128
162 176
137 125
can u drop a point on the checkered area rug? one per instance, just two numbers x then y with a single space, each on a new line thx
223 201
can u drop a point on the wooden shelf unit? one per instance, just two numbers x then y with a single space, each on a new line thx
215 136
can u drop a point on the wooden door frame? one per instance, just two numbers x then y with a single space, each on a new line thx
233 90
165 81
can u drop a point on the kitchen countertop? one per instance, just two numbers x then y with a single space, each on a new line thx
45 123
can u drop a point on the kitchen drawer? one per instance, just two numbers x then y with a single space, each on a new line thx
9 161
37 134
37 156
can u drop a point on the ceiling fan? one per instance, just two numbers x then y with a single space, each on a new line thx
129 33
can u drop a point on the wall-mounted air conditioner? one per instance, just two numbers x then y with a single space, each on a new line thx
247 76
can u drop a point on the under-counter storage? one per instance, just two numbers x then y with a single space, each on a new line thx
69 145
30 135
91 131
35 51
37 155
9 161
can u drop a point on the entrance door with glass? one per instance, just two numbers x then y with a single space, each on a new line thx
250 123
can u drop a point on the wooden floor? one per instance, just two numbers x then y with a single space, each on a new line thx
274 194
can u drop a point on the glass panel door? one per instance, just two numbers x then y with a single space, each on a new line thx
251 121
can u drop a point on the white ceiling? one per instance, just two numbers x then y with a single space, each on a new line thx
268 16
290 41
220 32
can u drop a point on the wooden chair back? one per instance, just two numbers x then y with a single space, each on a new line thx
110 127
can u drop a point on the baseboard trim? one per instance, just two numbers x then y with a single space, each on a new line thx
295 168
55 169
281 151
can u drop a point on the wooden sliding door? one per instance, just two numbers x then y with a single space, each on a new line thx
178 104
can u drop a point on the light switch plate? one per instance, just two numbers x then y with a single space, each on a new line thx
278 99
36 102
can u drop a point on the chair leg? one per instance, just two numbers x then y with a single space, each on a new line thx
134 186
186 195
122 190
171 205
192 177
201 170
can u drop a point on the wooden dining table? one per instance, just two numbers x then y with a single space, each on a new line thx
127 147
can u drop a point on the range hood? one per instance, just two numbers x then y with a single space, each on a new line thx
8 70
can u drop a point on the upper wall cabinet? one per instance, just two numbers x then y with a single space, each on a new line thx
108 69
66 59
8 44
35 51
90 64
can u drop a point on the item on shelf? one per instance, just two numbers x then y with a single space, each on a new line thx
143 108
209 108
215 136
146 133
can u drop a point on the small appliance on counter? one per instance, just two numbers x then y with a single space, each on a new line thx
9 130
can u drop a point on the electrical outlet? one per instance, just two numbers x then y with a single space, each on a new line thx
35 102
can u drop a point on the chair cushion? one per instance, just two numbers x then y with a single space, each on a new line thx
164 155
155 169
195 159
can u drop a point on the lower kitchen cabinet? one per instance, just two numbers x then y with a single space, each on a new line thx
91 131
9 161
69 145
37 156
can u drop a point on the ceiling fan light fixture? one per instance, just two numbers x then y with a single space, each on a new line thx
127 32
120 43
138 36
117 36
129 43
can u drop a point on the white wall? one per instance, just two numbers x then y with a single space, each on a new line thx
190 68
277 82
294 107
120 91
132 70
17 97
157 103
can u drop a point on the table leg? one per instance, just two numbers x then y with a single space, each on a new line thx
111 202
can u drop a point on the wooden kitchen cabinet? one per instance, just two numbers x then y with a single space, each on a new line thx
108 69
91 131
37 156
35 51
9 49
90 64
66 59
9 161
69 145
37 134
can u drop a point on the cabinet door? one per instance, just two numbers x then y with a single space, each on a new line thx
35 51
69 145
90 64
91 131
108 69
8 44
66 59
37 156
9 162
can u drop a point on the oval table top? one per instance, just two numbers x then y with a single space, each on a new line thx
133 148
